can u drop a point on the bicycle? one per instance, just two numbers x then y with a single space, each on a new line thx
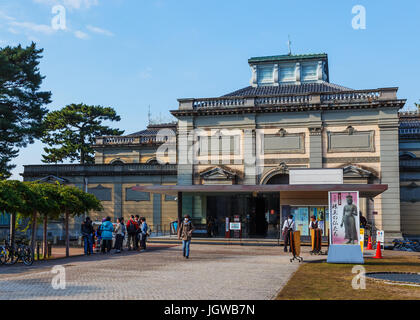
12 254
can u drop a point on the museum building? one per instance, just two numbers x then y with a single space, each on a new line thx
234 153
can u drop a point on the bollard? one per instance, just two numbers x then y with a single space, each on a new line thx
49 249
37 250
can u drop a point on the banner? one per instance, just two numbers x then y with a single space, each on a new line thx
344 217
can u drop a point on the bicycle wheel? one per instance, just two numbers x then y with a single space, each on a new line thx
26 255
2 255
11 256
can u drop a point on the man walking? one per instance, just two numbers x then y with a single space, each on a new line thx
185 231
132 227
288 227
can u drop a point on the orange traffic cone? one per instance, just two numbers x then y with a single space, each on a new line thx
369 247
378 251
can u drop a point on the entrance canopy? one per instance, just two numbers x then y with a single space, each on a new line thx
365 190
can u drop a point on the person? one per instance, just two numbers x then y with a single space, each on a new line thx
87 233
143 233
132 227
314 224
363 221
210 226
316 241
349 221
138 232
106 233
185 232
119 234
288 226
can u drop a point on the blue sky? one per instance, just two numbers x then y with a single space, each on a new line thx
130 54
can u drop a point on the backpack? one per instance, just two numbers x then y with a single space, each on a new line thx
99 231
131 227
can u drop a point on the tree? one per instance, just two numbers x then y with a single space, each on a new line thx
40 203
12 202
21 102
71 131
75 202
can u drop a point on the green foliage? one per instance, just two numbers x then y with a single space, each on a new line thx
71 131
21 102
77 202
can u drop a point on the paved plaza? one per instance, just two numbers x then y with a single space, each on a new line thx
212 272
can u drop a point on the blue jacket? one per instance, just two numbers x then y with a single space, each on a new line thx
143 228
107 229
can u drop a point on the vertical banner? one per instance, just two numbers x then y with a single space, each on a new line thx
362 239
344 217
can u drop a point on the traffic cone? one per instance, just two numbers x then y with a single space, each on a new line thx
369 247
378 251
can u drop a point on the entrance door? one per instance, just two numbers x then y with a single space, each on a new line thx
260 219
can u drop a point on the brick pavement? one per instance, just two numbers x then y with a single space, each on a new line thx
212 272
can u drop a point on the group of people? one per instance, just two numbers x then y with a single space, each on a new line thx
289 227
136 230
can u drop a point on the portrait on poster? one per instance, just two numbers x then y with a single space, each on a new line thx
344 217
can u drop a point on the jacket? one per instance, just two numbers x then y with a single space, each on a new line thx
87 229
136 225
120 229
143 228
107 229
185 230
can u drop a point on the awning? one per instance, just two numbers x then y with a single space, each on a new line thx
365 190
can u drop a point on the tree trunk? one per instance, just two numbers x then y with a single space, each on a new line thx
33 236
45 250
12 228
67 234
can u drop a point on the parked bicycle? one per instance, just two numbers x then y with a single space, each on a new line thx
19 252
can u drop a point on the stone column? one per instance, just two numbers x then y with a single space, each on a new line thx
250 173
315 147
185 164
388 203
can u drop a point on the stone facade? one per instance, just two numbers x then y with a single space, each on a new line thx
280 122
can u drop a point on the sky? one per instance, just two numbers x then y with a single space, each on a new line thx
132 54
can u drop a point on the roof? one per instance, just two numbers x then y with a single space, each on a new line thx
312 87
366 190
286 57
153 129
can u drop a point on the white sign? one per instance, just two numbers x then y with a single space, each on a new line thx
316 176
235 226
380 236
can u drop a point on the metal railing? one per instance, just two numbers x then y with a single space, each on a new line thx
287 99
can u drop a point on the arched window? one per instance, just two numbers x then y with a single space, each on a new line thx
117 162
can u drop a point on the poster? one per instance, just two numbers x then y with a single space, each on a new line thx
344 217
301 215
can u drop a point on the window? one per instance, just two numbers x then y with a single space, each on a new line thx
309 72
132 195
265 74
287 73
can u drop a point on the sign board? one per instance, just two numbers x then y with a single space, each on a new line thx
344 217
235 226
380 236
362 239
316 176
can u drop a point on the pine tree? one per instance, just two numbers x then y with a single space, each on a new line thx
71 132
21 102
